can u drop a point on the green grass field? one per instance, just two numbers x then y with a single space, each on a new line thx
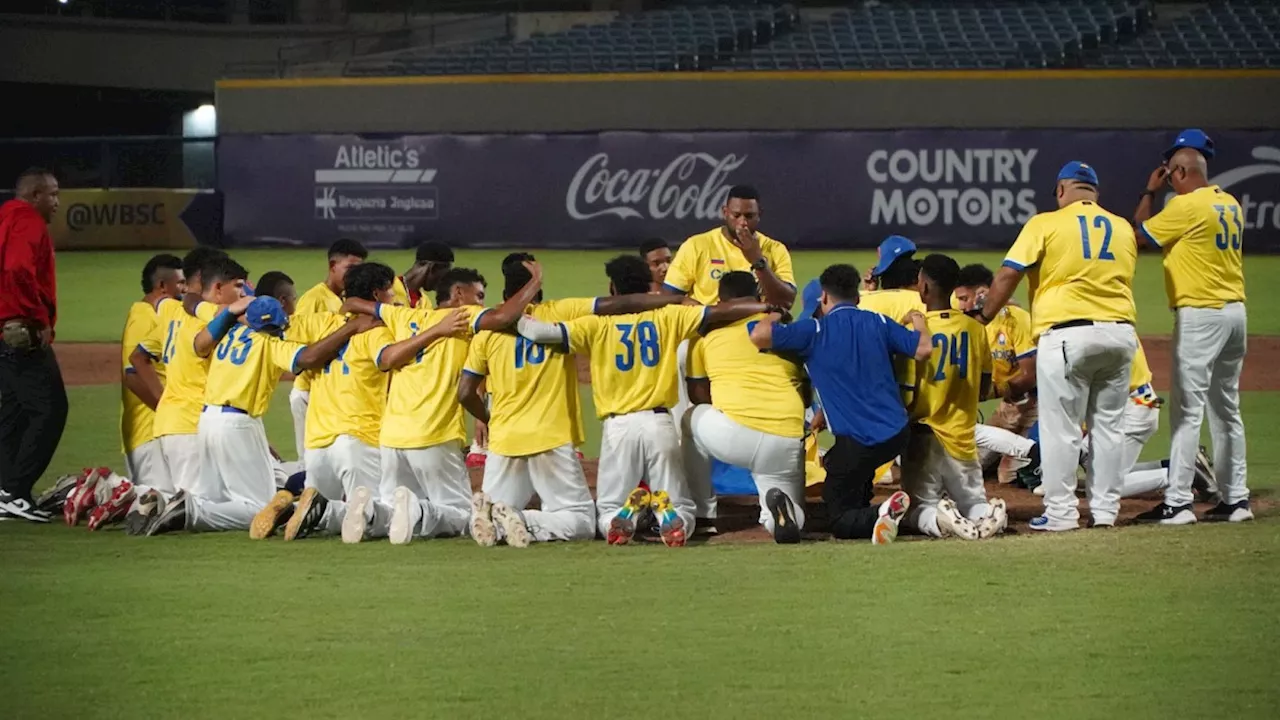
1139 622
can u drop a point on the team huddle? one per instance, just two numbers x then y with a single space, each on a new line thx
693 359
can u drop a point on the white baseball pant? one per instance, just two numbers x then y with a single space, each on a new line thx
182 458
1140 424
1083 378
927 470
147 468
438 477
701 489
1208 350
236 471
336 471
298 402
640 446
994 442
567 513
774 461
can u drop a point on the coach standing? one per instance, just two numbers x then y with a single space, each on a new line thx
1200 232
1081 259
33 401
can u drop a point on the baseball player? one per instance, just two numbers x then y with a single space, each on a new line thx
413 289
1081 260
943 454
323 297
246 363
633 383
1200 231
279 286
656 253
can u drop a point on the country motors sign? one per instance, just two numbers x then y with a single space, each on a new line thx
945 188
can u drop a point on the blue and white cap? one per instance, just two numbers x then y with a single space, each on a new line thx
893 247
1193 138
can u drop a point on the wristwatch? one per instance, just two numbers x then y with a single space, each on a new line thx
760 264
1145 193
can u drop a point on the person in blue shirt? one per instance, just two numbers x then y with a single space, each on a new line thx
848 354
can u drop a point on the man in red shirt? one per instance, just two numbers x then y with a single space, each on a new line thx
33 400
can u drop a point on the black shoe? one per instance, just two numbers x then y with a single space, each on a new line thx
1168 515
785 529
1236 512
174 517
51 502
306 515
147 508
705 527
22 508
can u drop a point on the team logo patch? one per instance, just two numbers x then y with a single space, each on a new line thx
1000 339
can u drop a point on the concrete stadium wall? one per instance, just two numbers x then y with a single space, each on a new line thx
753 101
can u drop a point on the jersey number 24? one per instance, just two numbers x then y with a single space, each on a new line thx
958 357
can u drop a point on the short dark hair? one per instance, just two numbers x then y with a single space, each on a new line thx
363 280
193 262
271 283
738 284
841 281
156 264
514 275
943 270
904 271
222 269
744 192
456 276
433 252
652 244
629 275
29 175
343 247
976 275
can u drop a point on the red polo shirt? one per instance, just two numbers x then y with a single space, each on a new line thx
28 286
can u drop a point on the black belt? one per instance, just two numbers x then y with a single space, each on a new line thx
658 410
1085 323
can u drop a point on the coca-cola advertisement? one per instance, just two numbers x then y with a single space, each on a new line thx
943 188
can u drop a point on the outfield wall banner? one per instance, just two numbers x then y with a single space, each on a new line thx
943 188
137 219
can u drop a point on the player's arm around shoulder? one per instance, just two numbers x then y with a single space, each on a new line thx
218 327
317 355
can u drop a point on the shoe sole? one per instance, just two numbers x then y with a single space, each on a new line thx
481 526
785 529
622 528
885 531
517 533
264 524
114 511
1049 528
172 509
77 506
294 526
1238 515
401 532
1186 517
355 524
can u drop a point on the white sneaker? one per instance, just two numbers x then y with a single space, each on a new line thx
406 513
996 521
356 522
952 523
513 525
481 523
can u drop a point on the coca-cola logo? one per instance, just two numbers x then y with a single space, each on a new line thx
693 185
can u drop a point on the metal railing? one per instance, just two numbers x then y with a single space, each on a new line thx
161 161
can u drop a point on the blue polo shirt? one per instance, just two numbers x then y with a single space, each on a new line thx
849 357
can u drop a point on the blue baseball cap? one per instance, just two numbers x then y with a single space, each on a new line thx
1193 138
893 247
265 311
1080 172
810 297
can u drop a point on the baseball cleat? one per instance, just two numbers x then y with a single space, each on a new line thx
115 508
953 524
1236 512
513 525
406 513
83 497
1168 515
996 521
174 517
276 513
670 526
1042 523
623 525
359 512
481 523
55 497
307 515
145 509
786 531
705 527
1203 482
891 513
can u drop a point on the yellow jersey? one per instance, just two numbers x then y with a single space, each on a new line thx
759 390
703 259
633 357
400 294
246 367
895 304
1009 337
185 372
136 419
534 388
319 299
423 409
950 381
1203 267
349 394
1080 261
